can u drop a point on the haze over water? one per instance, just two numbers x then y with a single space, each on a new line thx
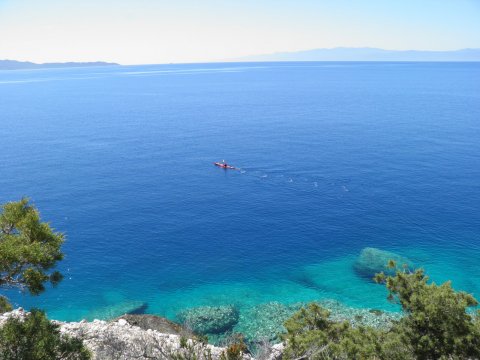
333 157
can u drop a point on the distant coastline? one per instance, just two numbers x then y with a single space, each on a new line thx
19 65
367 54
340 54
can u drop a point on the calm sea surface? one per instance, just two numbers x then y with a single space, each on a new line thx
334 157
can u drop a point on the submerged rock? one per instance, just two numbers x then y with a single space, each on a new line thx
378 319
372 261
209 319
264 322
113 311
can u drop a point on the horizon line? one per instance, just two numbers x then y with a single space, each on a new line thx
238 59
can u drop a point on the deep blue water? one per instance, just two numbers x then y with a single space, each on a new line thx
334 157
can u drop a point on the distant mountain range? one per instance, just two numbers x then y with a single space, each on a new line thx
16 65
333 54
367 54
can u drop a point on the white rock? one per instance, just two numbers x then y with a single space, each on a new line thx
129 342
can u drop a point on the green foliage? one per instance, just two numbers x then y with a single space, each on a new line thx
183 342
202 339
436 325
29 249
311 335
36 338
4 305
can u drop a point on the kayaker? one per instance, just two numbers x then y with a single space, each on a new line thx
223 164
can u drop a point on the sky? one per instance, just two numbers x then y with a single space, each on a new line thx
158 31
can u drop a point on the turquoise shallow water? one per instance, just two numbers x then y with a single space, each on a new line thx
334 157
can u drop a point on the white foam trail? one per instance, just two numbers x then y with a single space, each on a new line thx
23 81
184 71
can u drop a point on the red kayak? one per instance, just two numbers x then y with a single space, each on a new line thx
224 165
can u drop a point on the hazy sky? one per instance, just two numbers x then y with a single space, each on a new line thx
158 31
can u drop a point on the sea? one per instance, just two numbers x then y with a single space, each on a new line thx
331 158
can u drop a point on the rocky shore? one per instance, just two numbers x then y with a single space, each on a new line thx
141 336
122 340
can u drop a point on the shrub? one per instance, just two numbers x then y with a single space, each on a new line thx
311 335
36 338
4 305
436 324
236 347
